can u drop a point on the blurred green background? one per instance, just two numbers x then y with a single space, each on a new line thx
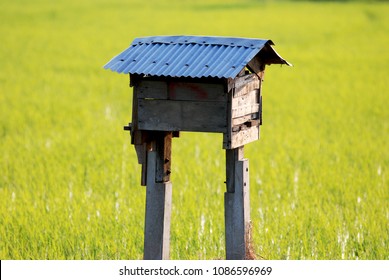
69 178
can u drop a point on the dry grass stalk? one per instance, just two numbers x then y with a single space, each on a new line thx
250 254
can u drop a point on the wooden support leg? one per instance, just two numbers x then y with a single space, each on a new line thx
158 199
237 205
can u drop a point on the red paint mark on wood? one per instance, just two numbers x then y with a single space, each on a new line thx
185 91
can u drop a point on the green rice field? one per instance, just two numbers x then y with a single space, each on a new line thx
69 177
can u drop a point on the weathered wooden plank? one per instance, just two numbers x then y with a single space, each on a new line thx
239 82
167 186
244 136
244 119
235 242
141 154
249 86
197 91
257 66
164 151
242 178
241 137
157 221
139 136
176 90
237 207
245 110
171 115
158 213
240 110
247 104
227 135
232 155
246 79
139 139
250 97
152 89
134 124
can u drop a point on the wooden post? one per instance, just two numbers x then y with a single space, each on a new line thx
237 205
158 198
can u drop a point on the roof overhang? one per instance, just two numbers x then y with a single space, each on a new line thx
193 56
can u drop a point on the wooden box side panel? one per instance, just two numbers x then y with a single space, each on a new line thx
247 104
242 137
243 111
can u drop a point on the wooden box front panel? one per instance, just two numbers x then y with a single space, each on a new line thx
181 106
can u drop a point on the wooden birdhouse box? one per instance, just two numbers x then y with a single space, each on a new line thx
202 84
193 83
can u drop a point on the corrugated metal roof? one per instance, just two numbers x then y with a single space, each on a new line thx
191 56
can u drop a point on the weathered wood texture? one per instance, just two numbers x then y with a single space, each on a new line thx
232 107
257 67
247 105
172 115
180 90
158 199
143 141
180 106
244 84
245 135
243 111
164 153
237 205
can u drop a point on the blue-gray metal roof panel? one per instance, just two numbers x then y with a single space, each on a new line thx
188 56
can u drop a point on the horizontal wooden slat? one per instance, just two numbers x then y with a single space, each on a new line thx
246 104
251 97
242 137
247 88
245 84
245 110
172 115
152 89
197 91
243 80
175 90
244 119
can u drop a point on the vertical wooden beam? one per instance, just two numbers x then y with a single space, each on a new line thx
158 199
237 205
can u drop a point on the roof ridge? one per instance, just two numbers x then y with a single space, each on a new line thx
203 40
